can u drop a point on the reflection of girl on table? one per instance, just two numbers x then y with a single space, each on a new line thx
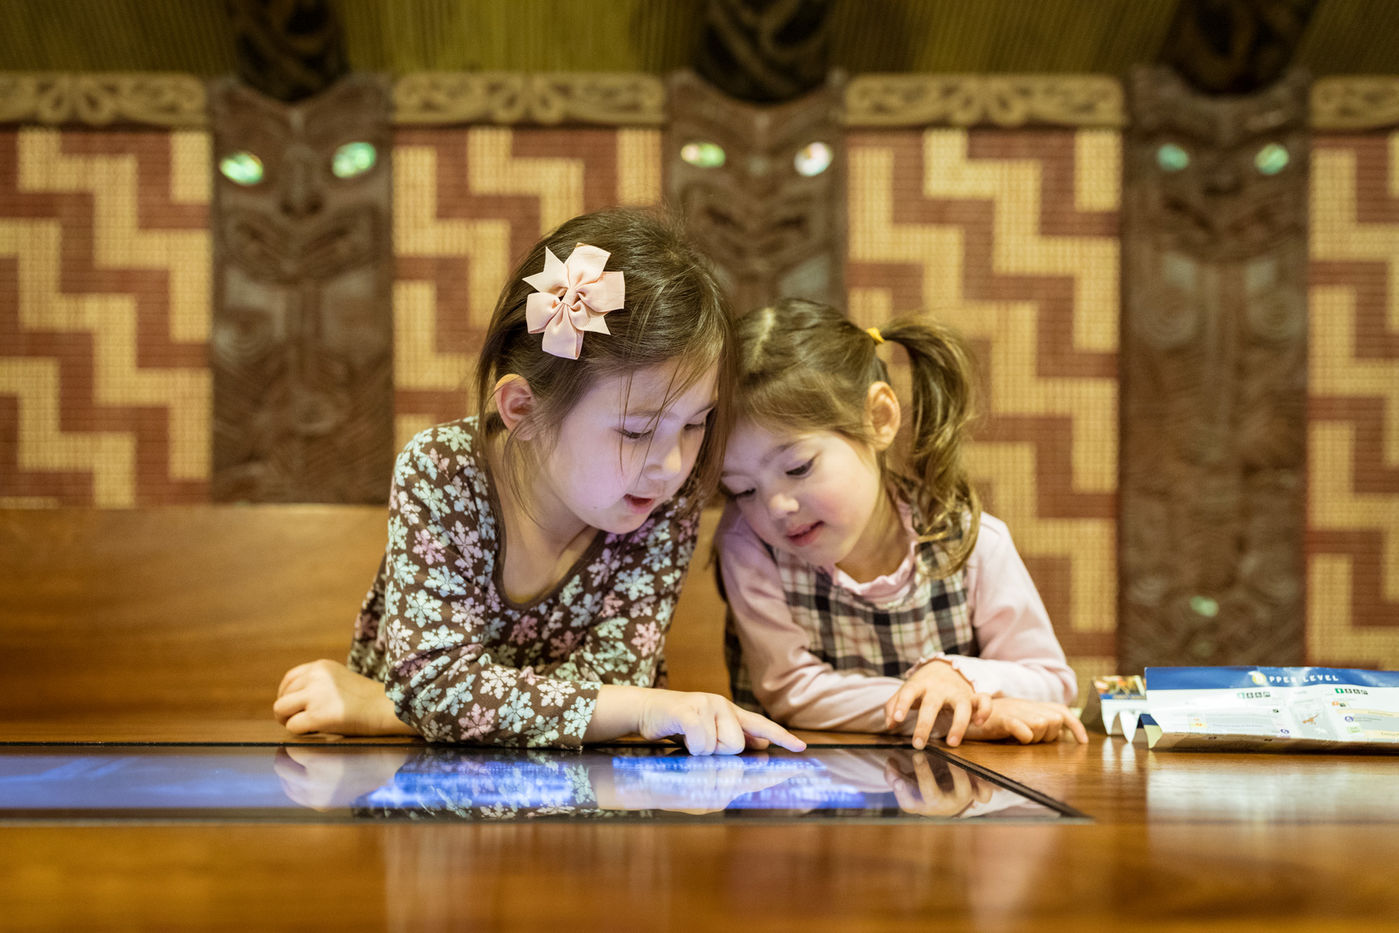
858 589
536 549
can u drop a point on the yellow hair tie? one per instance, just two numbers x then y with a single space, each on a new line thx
874 332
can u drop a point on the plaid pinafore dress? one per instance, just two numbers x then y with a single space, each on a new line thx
857 635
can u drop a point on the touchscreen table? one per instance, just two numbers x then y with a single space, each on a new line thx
320 783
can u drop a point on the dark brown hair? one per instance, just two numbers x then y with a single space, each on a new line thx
805 366
674 311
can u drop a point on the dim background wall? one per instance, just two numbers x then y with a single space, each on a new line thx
1010 235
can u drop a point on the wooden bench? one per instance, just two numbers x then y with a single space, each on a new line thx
118 617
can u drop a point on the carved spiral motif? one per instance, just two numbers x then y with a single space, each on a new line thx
1277 314
1166 316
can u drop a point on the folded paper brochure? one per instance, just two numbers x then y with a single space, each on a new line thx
1122 701
1272 708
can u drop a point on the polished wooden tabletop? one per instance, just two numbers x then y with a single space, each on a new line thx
1175 840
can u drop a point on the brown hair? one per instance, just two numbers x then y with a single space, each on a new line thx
674 310
805 366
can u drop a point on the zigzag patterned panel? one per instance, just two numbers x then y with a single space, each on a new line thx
1011 237
467 204
104 318
1353 439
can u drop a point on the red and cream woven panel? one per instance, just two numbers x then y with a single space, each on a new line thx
1353 434
1012 238
104 318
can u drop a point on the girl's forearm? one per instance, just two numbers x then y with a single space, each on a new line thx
618 712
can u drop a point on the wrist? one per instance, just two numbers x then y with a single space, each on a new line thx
617 713
954 662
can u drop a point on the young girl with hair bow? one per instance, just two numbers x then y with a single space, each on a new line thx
536 549
858 588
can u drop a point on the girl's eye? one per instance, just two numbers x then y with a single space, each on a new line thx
633 435
744 494
703 423
802 470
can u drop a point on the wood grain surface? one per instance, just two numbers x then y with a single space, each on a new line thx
1231 842
175 625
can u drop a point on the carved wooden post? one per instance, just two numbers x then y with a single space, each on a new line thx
1213 380
302 342
755 153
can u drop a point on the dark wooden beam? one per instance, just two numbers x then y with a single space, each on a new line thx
302 342
1214 374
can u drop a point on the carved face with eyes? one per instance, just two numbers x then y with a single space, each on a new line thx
761 188
302 334
302 187
1222 170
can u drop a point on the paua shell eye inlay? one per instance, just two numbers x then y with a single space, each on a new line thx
1271 159
353 159
703 154
813 159
1172 158
241 168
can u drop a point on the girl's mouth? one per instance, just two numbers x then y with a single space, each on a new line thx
804 535
639 504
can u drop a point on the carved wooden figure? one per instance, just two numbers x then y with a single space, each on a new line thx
762 188
302 339
1214 356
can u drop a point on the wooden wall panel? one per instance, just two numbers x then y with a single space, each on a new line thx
302 343
1214 358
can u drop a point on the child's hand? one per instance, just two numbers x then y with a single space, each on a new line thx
933 687
710 724
326 696
1027 721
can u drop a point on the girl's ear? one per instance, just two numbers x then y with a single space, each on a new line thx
515 401
883 414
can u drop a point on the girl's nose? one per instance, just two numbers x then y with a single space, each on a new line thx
667 459
780 505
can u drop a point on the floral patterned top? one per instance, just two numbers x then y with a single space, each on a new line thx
460 660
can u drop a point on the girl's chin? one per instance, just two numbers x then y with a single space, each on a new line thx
626 518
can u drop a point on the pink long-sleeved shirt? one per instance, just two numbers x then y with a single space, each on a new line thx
1020 656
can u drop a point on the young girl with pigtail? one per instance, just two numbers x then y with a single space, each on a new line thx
536 549
860 588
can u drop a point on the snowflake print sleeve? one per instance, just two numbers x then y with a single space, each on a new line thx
459 663
640 574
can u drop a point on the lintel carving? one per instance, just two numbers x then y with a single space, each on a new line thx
515 97
888 100
1366 102
1345 103
103 99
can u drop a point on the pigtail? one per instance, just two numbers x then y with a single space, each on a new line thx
943 390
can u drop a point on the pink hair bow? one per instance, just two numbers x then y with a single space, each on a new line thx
571 298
